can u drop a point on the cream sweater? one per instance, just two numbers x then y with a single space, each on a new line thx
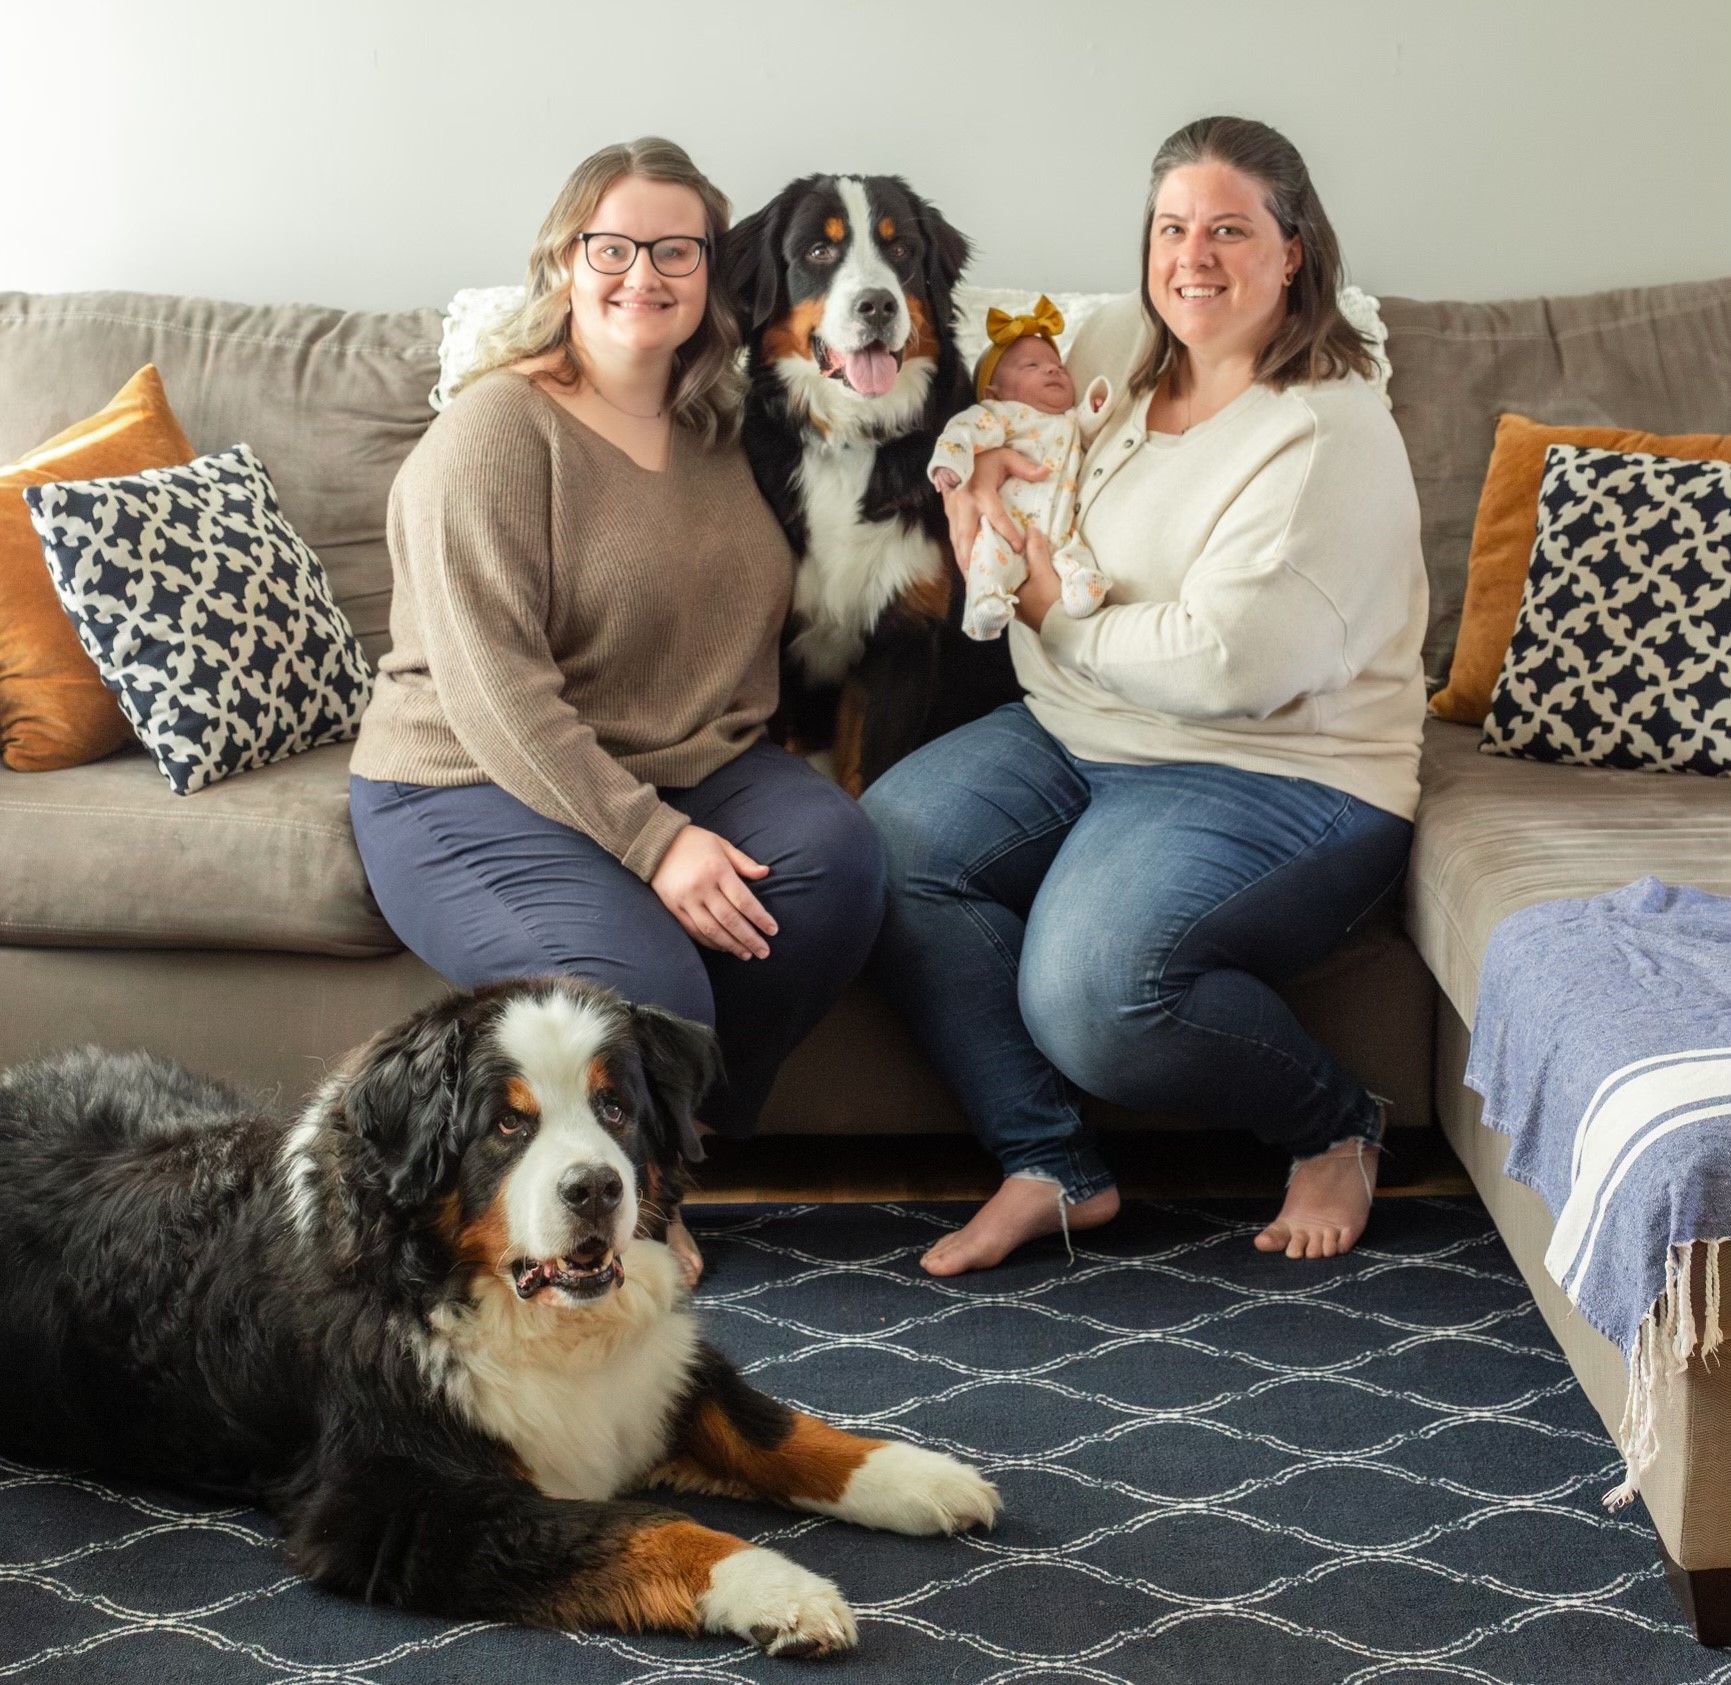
569 626
1268 594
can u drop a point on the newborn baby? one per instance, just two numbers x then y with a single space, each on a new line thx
1028 402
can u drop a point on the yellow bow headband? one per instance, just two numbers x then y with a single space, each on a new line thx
1003 330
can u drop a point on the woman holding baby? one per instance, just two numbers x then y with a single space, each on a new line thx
1212 777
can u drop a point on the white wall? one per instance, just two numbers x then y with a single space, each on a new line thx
377 153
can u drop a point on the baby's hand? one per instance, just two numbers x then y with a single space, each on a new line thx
1097 401
947 479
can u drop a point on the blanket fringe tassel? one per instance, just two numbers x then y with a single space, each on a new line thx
1675 1330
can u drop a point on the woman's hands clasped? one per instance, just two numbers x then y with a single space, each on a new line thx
701 882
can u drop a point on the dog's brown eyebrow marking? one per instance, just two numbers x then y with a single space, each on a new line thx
520 1097
599 1075
887 228
835 228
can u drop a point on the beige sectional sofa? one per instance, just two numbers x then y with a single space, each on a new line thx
233 929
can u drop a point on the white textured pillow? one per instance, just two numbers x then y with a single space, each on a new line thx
475 309
469 314
972 303
1365 314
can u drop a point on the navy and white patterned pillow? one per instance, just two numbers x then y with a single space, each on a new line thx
1622 653
206 614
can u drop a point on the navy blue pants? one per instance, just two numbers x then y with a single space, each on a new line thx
482 887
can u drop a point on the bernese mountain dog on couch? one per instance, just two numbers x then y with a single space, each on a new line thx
844 286
429 1323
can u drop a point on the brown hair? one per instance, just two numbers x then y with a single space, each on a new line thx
1315 342
707 385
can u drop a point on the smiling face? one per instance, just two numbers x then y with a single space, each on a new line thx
1218 263
641 313
1031 372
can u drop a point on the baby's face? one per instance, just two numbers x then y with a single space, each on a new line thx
1031 372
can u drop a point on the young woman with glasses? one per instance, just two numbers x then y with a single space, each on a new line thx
563 765
1212 777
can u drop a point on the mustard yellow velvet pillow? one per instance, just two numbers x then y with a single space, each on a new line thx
54 710
1504 531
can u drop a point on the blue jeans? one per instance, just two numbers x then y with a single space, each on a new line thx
482 887
1058 925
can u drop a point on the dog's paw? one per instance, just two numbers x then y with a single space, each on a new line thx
783 1608
907 1490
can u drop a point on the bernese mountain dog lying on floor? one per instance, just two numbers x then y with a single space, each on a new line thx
429 1324
843 284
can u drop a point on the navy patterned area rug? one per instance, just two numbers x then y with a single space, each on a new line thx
1217 1467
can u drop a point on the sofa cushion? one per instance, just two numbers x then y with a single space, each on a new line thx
1504 531
54 709
107 856
207 614
331 400
1653 358
1621 655
1494 835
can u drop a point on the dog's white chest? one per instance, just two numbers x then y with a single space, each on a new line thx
853 569
583 1397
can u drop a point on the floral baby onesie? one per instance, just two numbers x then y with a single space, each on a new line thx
1057 442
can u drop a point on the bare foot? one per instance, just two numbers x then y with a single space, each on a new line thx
684 1248
1023 1209
1327 1203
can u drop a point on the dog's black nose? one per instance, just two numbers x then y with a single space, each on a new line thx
877 308
592 1192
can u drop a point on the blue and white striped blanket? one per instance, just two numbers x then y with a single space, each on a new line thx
1602 1046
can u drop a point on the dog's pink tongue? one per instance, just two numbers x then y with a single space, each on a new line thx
871 372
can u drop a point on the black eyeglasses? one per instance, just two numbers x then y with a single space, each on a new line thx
673 255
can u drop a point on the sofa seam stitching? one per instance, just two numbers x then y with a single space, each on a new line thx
401 352
1645 319
312 827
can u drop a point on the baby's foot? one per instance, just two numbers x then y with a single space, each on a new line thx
1023 1209
988 617
1084 591
1327 1202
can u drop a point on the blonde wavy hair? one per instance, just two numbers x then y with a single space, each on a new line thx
707 383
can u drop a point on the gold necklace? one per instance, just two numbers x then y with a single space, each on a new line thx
636 415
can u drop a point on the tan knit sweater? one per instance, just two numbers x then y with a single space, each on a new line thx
569 626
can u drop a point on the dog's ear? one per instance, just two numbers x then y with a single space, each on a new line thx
681 1061
404 1102
751 263
947 250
